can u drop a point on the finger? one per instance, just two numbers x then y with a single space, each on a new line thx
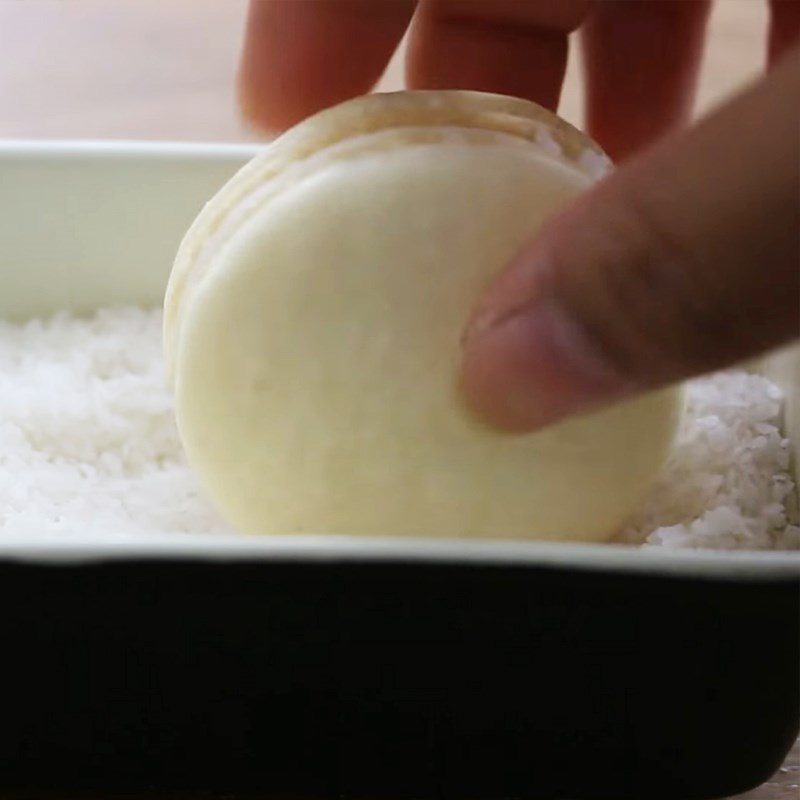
784 28
303 55
515 47
687 259
641 62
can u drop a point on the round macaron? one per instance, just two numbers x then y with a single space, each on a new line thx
313 325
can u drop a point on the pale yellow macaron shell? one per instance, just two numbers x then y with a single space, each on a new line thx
315 352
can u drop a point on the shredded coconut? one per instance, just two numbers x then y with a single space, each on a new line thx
727 484
88 441
88 444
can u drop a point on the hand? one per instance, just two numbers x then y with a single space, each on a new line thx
686 259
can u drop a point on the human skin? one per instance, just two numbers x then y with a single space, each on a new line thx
684 260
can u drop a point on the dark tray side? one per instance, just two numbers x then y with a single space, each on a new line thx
393 680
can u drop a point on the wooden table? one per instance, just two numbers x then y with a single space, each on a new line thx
165 69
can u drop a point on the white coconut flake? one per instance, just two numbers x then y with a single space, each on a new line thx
726 485
88 445
88 442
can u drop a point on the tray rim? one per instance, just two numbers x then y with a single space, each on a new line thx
19 148
57 549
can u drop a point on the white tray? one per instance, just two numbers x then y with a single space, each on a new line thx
87 224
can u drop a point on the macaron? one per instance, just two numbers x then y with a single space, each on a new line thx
313 325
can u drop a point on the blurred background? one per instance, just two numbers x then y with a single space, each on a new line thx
166 69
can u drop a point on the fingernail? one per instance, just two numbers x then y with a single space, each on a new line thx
533 366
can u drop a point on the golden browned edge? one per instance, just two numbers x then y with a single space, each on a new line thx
369 114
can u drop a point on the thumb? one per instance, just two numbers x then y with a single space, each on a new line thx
687 259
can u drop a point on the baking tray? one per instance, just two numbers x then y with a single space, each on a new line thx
337 667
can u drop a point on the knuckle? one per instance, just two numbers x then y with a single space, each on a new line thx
563 17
